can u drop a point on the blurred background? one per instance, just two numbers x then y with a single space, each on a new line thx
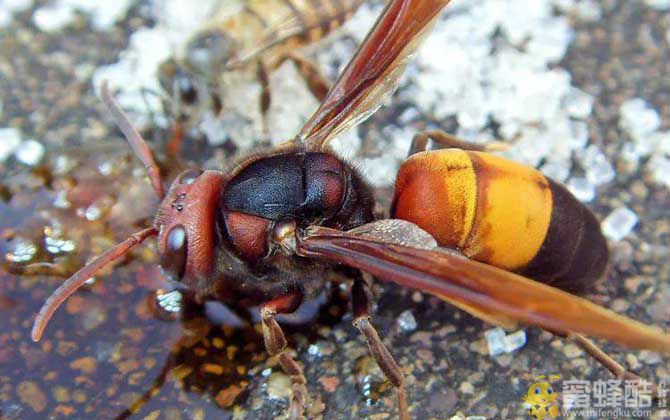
579 89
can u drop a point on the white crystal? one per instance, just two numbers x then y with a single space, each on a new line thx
557 171
58 245
10 138
135 73
53 17
532 147
92 212
61 201
582 188
63 164
30 152
509 81
347 144
292 103
598 169
551 43
515 341
380 171
361 22
661 141
579 134
601 172
406 321
58 14
638 118
619 223
170 301
495 338
409 115
578 103
214 128
22 251
659 167
630 153
9 7
661 5
314 350
588 10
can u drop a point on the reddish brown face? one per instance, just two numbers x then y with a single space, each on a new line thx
186 224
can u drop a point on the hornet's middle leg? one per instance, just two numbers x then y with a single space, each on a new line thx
361 304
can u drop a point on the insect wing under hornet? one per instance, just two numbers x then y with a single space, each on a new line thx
503 296
262 25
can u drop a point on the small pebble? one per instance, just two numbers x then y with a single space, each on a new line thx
212 368
466 388
279 386
86 364
329 383
632 361
181 372
650 357
227 396
31 394
572 351
93 317
620 305
61 394
128 366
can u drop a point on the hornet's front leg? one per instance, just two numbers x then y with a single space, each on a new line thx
275 344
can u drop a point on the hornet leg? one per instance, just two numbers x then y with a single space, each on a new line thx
606 360
446 140
360 299
317 83
275 344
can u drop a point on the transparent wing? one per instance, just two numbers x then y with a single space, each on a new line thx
262 24
373 74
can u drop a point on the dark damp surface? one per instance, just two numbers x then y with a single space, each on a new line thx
107 349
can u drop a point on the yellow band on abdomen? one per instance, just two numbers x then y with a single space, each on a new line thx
512 215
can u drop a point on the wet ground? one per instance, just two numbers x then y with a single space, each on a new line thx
107 349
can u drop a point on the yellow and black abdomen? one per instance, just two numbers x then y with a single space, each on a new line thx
502 213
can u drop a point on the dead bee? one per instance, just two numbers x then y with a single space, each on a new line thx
256 34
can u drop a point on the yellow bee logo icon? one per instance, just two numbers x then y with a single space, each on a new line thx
541 399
